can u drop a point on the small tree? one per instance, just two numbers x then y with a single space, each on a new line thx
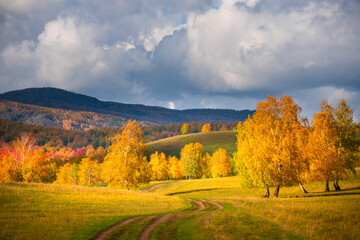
159 166
89 172
185 129
176 169
191 156
206 128
220 164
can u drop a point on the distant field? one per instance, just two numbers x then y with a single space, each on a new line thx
211 141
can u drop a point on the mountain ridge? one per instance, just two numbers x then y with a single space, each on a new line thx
67 100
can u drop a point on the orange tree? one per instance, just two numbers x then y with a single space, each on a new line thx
267 147
89 172
23 160
331 146
220 163
175 169
125 164
206 127
158 166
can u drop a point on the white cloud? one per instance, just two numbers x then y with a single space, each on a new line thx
189 53
171 105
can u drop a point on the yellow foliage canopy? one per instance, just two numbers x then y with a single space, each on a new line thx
125 164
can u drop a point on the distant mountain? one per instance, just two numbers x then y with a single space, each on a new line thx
62 99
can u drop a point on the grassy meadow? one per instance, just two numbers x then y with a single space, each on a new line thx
212 141
42 211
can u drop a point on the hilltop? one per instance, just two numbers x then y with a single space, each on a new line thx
62 99
212 141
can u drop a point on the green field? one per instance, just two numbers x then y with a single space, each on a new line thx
42 211
45 211
212 141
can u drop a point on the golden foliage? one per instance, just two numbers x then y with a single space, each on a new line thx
220 163
206 127
125 164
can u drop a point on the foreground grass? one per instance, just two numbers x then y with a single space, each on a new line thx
42 211
212 141
333 215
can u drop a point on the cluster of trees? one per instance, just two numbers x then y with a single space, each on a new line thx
125 164
276 147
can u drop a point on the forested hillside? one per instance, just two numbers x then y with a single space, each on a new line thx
61 99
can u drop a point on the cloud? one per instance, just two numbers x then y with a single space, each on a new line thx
222 54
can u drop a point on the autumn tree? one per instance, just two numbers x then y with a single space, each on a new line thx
125 164
206 165
206 128
89 172
185 129
267 150
175 168
346 130
159 166
331 146
191 156
220 164
23 160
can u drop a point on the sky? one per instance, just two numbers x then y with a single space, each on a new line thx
185 54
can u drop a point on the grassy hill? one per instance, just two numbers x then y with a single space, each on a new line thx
211 141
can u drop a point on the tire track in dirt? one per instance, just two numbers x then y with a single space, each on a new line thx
145 234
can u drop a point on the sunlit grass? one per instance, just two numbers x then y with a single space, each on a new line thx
41 211
212 141
333 215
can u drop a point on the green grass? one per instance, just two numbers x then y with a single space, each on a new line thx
333 215
43 211
212 141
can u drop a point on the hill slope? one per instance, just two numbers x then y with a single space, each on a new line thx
62 99
212 141
59 118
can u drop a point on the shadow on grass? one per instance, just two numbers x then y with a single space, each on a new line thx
197 190
342 192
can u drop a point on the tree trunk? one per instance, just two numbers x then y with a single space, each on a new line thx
327 189
303 189
267 195
276 193
336 185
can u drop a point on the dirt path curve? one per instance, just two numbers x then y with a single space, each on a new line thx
157 220
102 235
200 206
155 187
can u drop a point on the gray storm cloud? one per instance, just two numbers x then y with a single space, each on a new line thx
185 54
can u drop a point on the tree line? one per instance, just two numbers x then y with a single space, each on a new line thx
124 163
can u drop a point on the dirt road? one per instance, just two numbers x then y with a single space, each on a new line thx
145 234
